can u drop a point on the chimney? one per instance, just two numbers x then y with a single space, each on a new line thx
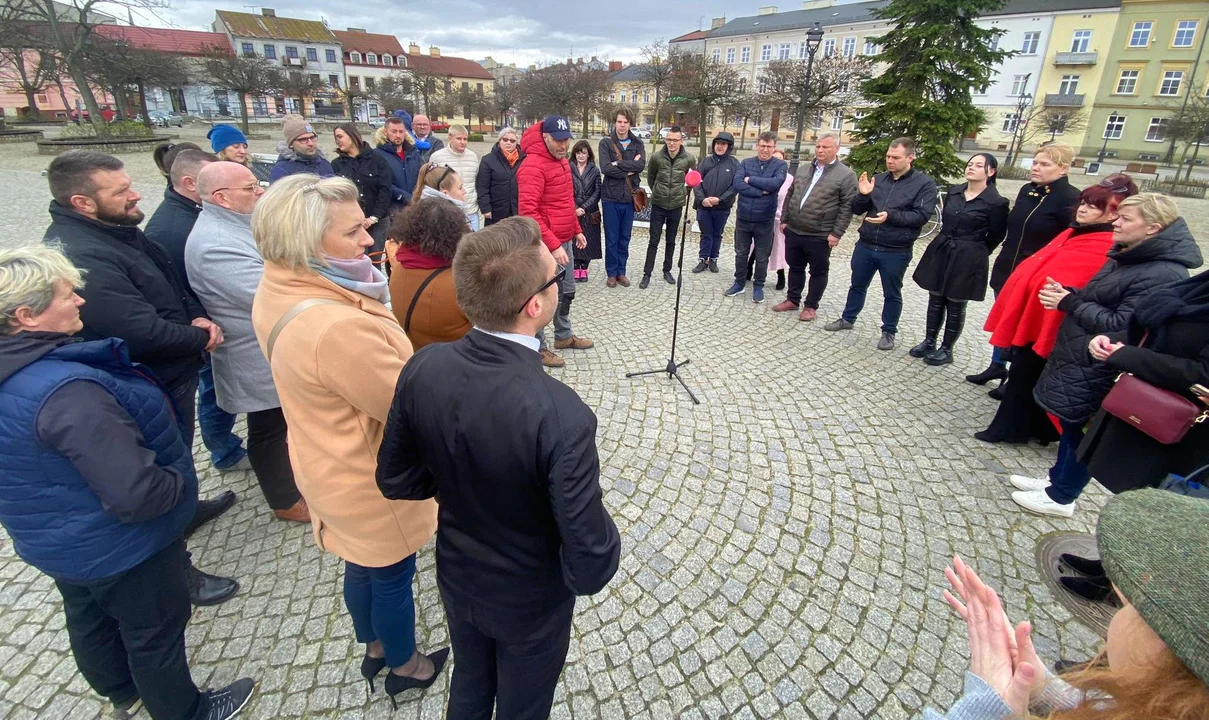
434 51
768 10
357 30
593 58
413 49
268 12
816 4
614 65
717 23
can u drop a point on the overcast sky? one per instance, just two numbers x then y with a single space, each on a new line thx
520 31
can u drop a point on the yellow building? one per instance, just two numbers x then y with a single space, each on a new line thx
1074 64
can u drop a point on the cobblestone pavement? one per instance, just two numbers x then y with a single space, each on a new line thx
783 542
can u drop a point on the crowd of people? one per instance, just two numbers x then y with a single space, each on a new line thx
379 318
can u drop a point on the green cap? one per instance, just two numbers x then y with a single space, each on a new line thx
1155 547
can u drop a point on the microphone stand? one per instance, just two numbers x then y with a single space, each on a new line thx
673 367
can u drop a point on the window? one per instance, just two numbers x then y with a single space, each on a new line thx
745 55
829 47
291 51
270 52
1157 131
981 90
355 57
837 121
765 53
1127 84
1140 37
354 83
260 106
763 86
849 46
818 120
1081 41
783 51
646 95
994 44
1009 123
612 97
373 109
333 80
315 78
802 54
248 49
1115 127
870 47
1019 85
730 56
742 85
1069 85
624 96
717 55
1185 32
312 55
371 58
388 60
1029 46
1172 79
329 55
370 83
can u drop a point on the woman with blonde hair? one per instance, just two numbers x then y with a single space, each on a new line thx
229 143
444 183
336 352
1157 650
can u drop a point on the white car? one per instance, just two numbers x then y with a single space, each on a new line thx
641 133
376 122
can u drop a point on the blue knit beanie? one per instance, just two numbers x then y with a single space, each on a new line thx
224 136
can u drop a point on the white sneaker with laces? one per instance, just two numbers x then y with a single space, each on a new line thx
1022 482
1039 502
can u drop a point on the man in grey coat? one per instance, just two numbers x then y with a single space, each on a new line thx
814 217
224 270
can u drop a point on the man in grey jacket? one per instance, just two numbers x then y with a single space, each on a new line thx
224 270
814 217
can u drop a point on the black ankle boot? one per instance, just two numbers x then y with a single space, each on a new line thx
935 316
942 355
994 371
780 279
925 348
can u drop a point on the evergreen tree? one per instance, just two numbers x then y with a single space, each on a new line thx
934 55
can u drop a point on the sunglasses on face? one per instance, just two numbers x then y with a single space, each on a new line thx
558 276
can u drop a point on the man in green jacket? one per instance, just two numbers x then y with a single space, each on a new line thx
665 176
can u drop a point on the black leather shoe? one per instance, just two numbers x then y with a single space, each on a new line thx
997 393
645 282
1097 590
923 349
1083 566
701 266
669 277
713 266
206 589
939 356
207 510
995 371
396 684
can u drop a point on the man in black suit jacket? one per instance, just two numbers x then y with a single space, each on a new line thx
510 454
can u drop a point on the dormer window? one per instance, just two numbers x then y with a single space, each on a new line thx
402 61
371 59
387 60
354 57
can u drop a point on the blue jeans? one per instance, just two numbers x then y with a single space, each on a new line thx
1068 476
618 222
891 265
225 447
713 224
382 606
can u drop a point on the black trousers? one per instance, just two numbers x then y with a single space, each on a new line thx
270 457
752 238
185 396
1019 417
498 663
127 634
802 251
660 219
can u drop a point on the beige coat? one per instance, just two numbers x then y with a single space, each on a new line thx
335 367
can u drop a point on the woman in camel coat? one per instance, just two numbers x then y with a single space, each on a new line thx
422 241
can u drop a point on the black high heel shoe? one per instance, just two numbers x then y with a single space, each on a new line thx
370 667
396 684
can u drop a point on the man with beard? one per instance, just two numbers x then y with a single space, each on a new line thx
299 152
136 295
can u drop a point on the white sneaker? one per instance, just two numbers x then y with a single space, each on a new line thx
1027 483
1039 502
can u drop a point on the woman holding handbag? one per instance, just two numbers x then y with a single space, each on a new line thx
1152 248
586 177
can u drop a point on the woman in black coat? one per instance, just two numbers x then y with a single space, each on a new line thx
358 162
1044 207
586 178
495 183
954 267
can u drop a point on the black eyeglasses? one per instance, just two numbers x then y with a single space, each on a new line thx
558 277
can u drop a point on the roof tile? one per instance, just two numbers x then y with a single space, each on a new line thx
247 25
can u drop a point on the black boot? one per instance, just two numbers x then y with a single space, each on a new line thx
936 316
994 371
954 323
780 279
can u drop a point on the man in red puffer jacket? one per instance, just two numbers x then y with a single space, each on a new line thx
546 194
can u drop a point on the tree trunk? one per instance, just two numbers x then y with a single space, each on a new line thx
74 67
143 104
587 116
701 132
1196 150
743 134
243 111
62 94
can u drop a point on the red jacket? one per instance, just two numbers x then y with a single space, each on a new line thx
1018 319
545 192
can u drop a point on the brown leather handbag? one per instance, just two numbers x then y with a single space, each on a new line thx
636 193
1163 415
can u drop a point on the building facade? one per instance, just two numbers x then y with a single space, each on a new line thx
458 79
369 58
194 98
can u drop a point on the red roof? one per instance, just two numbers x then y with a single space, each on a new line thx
367 42
179 42
694 35
451 66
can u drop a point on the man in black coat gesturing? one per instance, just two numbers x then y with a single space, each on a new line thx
510 454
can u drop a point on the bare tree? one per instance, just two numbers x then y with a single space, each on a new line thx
428 86
26 61
1189 124
301 87
503 99
244 75
699 85
1052 121
835 84
655 72
590 91
392 93
546 91
119 67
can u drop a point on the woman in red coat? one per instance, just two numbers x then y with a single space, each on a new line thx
1019 322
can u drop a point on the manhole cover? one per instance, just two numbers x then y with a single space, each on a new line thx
1049 549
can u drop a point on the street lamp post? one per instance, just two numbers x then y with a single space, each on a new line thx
814 38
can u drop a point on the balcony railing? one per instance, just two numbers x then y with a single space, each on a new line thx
1075 58
1062 100
293 62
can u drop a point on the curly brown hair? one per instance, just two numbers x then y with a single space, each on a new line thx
432 226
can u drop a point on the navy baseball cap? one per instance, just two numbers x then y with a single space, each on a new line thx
558 127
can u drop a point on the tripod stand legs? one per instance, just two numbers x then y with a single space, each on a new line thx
673 371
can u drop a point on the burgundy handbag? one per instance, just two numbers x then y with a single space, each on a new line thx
1163 415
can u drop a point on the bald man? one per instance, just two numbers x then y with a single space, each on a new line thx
422 127
225 267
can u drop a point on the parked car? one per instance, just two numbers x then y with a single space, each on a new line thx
107 114
665 130
440 126
376 122
641 133
165 118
